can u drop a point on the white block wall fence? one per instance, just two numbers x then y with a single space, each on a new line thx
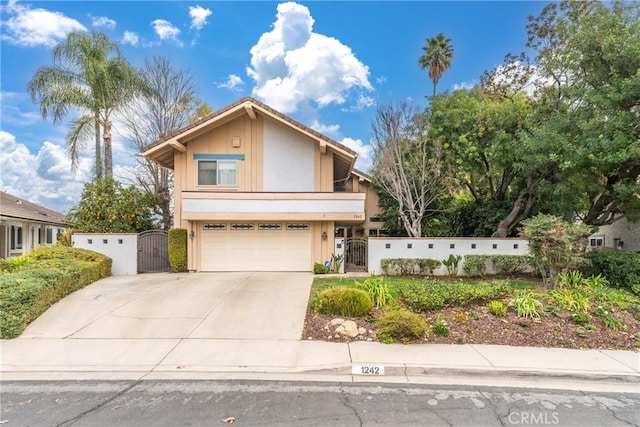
121 248
439 248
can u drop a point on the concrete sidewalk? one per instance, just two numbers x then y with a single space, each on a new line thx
48 359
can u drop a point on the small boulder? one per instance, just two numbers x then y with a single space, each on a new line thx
350 329
336 322
362 331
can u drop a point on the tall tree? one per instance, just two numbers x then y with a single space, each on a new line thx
437 56
90 77
589 56
407 164
167 105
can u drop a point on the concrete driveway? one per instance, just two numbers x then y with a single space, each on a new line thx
265 306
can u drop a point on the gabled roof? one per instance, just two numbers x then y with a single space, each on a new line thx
12 207
162 151
362 175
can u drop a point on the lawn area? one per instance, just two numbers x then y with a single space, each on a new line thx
506 311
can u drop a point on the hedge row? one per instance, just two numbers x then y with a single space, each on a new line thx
474 265
408 266
40 279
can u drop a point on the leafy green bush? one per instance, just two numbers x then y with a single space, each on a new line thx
497 308
622 269
510 264
475 265
571 299
178 249
452 264
44 277
377 290
408 266
555 244
526 305
580 318
440 326
342 301
319 268
609 320
401 324
432 294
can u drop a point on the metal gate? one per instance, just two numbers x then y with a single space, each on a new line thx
355 258
153 251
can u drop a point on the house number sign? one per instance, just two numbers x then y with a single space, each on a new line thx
367 370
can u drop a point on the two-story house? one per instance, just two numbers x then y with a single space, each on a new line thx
259 191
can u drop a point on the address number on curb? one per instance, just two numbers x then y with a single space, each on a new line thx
367 370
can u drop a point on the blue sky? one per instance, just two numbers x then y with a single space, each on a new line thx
326 64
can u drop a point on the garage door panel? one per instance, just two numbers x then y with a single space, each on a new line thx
256 250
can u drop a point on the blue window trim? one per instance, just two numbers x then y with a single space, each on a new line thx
218 156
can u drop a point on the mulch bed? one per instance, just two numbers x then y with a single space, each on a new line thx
551 330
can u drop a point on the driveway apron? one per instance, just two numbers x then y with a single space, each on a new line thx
252 305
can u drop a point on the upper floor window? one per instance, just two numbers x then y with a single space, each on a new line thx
217 172
596 241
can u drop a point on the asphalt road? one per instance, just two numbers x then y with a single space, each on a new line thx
208 403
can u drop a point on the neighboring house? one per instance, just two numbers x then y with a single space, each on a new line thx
259 191
622 235
25 226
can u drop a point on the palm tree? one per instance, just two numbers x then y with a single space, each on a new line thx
437 57
89 76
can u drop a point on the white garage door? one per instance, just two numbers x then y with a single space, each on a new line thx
256 247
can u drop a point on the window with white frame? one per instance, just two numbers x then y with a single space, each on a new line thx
16 237
595 242
49 238
217 172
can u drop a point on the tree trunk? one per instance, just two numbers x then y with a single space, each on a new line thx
108 154
520 211
98 170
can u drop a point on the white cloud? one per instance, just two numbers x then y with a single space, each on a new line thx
36 27
166 31
293 66
324 129
364 151
233 82
463 85
362 102
44 178
514 71
381 79
103 21
131 38
198 16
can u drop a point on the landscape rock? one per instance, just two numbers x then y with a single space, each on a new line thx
336 322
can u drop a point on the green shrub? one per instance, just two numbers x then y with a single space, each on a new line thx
571 299
475 265
569 279
320 268
609 320
45 276
526 305
440 326
401 324
497 308
432 294
511 264
580 318
342 301
377 290
427 265
452 264
408 266
622 269
178 249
